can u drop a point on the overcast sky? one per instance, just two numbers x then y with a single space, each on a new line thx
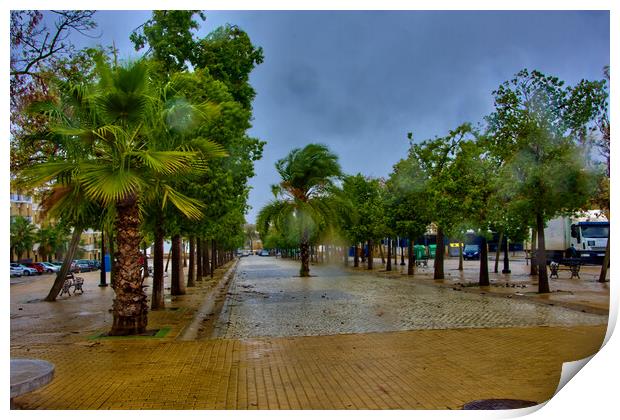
359 81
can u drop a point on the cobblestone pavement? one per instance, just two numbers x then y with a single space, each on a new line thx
425 369
268 299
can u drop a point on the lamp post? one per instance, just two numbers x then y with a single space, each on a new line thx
102 279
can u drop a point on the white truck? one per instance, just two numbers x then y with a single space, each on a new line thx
586 232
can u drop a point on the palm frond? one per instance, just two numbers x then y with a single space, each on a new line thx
190 207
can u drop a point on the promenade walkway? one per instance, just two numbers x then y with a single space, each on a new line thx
422 369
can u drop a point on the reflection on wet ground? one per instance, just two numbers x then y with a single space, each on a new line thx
268 299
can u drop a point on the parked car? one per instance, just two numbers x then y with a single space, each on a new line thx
93 264
264 253
471 252
16 272
50 268
80 266
26 271
37 266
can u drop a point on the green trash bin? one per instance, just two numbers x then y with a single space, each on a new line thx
420 251
431 250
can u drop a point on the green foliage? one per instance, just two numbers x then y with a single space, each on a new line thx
366 198
22 233
169 35
304 208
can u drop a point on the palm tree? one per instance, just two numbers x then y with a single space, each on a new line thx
112 125
22 236
50 238
302 205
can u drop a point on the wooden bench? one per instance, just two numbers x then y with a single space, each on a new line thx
72 281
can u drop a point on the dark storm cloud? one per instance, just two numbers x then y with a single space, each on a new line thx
359 81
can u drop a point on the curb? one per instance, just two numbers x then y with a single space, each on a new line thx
191 331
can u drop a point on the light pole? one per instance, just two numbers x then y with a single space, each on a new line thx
102 279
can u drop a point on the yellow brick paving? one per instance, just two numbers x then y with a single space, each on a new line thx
428 369
425 369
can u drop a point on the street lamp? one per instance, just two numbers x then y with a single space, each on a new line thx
102 279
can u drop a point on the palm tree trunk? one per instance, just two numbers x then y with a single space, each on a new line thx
191 282
370 256
176 281
603 276
66 265
438 271
388 266
130 307
304 271
543 280
460 256
157 298
483 278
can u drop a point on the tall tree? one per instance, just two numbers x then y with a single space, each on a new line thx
538 131
306 174
22 236
116 166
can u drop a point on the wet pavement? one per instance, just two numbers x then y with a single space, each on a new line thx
267 298
416 369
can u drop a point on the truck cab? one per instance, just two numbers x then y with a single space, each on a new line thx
589 238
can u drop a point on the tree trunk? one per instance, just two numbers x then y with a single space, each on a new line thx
506 269
498 251
370 256
543 280
356 256
191 281
157 296
381 253
145 266
177 285
206 258
213 256
168 259
102 273
603 276
410 258
346 256
460 256
199 246
304 271
388 266
66 265
130 307
438 271
483 278
533 253
395 249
